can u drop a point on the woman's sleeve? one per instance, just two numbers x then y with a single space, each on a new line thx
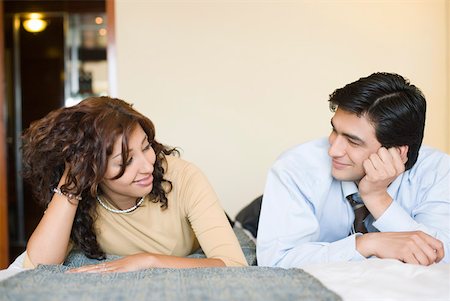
27 264
208 219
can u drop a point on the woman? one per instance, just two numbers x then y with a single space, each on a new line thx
111 188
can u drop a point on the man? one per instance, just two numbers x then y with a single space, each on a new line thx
373 162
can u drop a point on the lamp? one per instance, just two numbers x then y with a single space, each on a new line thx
34 23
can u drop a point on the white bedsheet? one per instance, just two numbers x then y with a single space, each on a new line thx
14 268
385 279
372 279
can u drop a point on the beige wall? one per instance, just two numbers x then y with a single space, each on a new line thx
448 74
235 83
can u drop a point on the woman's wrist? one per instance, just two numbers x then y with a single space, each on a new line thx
73 199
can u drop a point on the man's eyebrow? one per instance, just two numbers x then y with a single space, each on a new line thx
350 136
354 138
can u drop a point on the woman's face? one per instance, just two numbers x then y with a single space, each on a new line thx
137 180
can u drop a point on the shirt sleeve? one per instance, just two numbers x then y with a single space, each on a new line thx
208 219
288 231
431 213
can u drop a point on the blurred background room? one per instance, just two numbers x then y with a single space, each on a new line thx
231 83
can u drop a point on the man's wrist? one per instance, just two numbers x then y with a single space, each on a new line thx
365 244
377 202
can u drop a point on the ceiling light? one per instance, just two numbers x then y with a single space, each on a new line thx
34 23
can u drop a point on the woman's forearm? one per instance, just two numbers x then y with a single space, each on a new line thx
143 261
167 261
49 242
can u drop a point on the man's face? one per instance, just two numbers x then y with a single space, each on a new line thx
352 141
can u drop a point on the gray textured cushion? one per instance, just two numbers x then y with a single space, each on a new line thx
76 258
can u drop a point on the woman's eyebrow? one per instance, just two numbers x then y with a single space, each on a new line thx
145 139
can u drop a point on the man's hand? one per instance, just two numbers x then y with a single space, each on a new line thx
414 247
381 169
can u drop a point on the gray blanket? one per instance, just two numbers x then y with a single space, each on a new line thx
249 283
49 282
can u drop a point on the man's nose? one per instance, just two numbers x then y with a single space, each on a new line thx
337 147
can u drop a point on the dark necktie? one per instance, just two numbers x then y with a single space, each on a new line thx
361 212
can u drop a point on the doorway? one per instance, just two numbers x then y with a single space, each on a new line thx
45 70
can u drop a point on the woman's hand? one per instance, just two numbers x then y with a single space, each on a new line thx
126 264
146 261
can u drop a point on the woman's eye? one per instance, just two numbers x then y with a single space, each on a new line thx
147 147
129 161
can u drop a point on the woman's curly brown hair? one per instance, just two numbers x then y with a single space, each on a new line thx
82 137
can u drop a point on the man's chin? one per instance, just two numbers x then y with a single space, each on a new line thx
345 176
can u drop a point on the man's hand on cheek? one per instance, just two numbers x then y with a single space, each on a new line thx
381 169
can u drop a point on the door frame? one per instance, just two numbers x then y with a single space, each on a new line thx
4 241
111 47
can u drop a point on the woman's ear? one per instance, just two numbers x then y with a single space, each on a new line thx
403 151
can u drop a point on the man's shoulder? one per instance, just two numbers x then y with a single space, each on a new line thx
309 158
431 161
432 157
315 150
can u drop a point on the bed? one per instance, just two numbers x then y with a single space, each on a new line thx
372 279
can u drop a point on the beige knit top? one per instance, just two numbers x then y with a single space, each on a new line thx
193 218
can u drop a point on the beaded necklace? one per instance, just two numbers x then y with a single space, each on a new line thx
120 210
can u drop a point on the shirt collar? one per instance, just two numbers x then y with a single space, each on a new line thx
348 188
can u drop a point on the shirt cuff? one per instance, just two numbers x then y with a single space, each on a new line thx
340 249
395 219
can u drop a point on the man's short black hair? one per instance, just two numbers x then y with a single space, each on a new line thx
395 107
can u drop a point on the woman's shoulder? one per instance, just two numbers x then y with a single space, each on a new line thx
178 167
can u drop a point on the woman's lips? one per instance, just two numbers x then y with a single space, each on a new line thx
147 181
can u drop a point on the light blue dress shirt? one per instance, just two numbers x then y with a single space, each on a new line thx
305 217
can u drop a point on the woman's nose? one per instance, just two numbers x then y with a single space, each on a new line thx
147 163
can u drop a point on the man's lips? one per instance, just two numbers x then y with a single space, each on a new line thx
339 165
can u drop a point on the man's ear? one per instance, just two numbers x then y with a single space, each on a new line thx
403 151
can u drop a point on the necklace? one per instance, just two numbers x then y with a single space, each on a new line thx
119 210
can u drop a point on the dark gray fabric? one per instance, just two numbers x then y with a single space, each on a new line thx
249 283
248 217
